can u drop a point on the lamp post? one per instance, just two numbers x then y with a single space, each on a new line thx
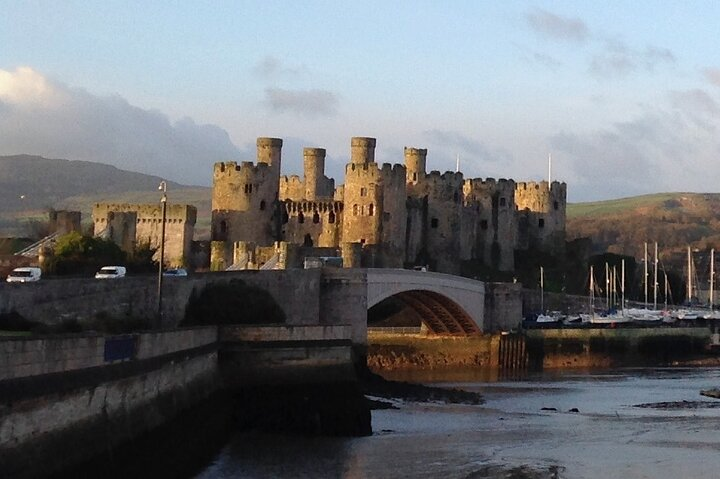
163 207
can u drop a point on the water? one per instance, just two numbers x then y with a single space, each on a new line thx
511 435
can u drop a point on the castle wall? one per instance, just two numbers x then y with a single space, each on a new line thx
179 227
311 223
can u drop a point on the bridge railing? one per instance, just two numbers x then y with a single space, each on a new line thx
395 330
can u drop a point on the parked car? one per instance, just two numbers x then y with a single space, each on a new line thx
110 272
24 275
175 272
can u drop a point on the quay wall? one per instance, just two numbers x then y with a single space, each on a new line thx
389 351
66 399
613 347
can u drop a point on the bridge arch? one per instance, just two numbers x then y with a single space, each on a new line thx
446 304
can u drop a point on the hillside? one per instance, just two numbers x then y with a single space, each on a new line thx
31 185
673 220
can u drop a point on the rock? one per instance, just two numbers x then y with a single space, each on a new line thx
548 409
711 393
574 410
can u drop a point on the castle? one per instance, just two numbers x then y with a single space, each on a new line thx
391 216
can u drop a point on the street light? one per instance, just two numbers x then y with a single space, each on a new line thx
163 205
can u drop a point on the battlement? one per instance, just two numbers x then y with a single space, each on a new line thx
542 185
448 177
269 142
292 179
362 150
489 185
174 213
244 169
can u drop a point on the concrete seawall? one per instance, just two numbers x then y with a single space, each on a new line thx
66 399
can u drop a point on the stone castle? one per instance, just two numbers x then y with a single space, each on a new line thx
385 215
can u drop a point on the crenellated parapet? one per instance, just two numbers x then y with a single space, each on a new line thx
541 196
292 188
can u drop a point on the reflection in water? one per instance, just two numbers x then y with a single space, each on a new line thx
511 435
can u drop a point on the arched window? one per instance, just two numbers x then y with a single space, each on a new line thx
316 218
355 210
331 217
223 227
371 210
262 205
307 240
301 218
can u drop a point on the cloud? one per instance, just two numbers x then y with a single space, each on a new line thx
477 158
557 27
44 117
270 68
618 59
712 75
662 149
304 102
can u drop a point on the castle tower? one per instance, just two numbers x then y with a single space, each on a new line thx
415 163
314 168
544 206
268 151
245 196
362 150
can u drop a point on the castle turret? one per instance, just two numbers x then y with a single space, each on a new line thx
268 151
415 163
314 167
362 150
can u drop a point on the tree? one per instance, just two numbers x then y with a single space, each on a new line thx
79 254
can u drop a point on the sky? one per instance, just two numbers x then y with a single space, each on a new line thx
625 96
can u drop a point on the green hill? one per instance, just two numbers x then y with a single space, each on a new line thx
673 220
31 185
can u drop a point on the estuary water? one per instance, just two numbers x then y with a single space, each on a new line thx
563 425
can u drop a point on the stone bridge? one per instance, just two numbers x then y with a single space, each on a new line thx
446 304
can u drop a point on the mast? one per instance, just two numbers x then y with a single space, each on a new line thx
666 288
712 277
689 276
607 286
645 275
655 282
457 163
549 169
542 290
622 286
592 291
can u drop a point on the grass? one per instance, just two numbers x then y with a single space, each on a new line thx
15 333
609 207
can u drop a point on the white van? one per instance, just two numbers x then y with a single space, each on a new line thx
110 272
24 275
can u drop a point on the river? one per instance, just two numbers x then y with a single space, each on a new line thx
526 429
